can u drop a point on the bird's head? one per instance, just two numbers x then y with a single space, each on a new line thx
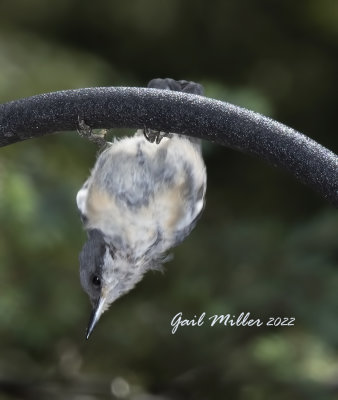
105 274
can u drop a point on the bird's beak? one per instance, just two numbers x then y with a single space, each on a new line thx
96 314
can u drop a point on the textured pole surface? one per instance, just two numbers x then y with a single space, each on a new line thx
216 121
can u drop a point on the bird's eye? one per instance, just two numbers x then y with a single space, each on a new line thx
96 281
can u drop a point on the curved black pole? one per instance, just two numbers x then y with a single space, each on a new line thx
193 115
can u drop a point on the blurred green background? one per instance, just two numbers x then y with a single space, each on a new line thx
265 244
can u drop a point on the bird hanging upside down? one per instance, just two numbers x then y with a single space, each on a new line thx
143 197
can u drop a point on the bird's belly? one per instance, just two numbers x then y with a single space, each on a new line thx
149 194
137 229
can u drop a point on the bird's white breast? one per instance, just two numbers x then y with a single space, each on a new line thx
158 186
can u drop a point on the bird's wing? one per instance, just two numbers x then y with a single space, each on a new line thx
81 200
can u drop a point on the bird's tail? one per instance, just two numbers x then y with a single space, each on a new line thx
179 86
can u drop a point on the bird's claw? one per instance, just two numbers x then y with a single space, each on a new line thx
85 131
155 136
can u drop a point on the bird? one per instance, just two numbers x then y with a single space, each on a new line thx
143 197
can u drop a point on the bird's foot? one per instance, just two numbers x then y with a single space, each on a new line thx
155 136
85 131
